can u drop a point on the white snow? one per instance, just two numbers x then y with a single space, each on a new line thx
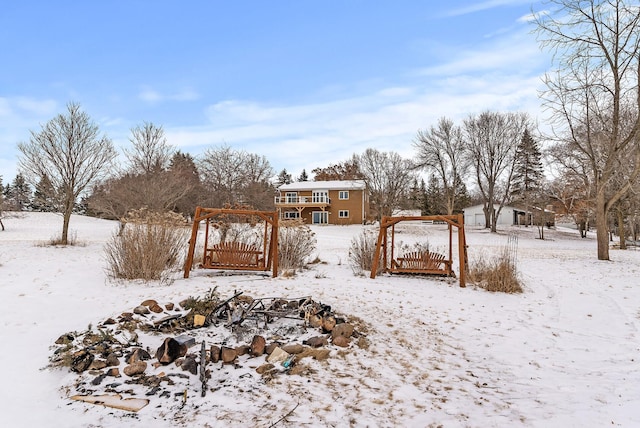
564 353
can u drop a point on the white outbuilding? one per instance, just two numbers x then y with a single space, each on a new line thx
508 216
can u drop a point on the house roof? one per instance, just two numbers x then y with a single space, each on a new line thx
324 185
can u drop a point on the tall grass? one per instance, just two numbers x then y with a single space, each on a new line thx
362 252
150 246
296 243
500 273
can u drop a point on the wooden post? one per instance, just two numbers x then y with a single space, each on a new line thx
192 243
274 244
462 251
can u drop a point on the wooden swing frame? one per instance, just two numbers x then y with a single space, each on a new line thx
425 262
235 255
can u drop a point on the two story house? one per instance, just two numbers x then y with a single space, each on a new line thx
324 202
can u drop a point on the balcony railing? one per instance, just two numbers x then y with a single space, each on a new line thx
302 200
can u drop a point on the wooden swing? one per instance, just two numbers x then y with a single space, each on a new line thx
420 262
235 255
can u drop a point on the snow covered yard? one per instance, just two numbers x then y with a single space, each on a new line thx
563 353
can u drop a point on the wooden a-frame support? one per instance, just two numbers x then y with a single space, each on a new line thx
270 243
392 265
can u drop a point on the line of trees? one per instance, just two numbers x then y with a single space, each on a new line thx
592 155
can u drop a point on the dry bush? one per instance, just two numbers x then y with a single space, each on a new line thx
150 246
55 240
296 243
362 251
497 274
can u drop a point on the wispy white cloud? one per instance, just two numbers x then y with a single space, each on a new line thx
151 95
497 76
484 5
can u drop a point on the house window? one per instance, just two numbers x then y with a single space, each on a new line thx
343 214
289 215
320 196
344 194
320 217
292 197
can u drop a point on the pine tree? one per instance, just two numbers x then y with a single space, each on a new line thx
303 176
528 175
463 199
434 199
529 172
45 197
18 194
284 178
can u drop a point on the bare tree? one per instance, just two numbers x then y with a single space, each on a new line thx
492 139
70 152
594 91
388 177
155 178
232 177
150 151
441 149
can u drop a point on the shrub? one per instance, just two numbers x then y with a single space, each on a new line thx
296 243
498 274
149 247
362 251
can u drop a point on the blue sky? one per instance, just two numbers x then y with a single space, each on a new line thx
305 83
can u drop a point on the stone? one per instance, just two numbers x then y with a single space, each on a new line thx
328 323
265 368
109 321
98 365
190 365
141 310
169 306
112 360
98 379
81 361
198 320
258 345
228 355
168 351
315 321
126 316
185 340
319 354
214 353
137 354
270 347
242 350
293 348
149 303
114 372
344 329
277 356
135 368
156 308
65 339
341 341
316 341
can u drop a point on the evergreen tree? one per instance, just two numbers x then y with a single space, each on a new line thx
284 178
434 198
463 199
45 197
18 194
528 174
303 176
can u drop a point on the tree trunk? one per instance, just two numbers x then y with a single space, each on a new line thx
2 224
68 209
602 235
621 232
